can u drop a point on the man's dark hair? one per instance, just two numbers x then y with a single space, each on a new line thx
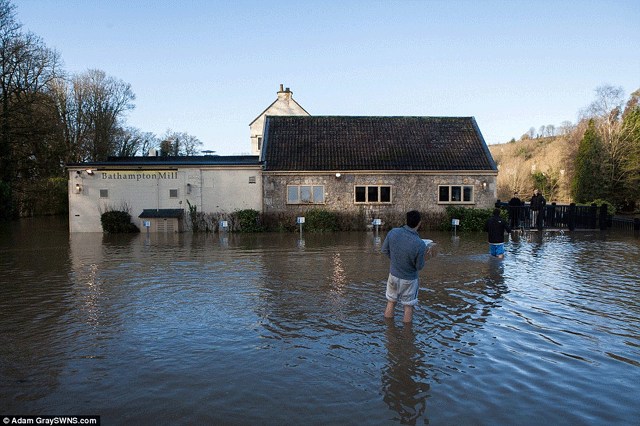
413 218
496 212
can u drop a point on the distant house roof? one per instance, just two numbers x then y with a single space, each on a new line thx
317 143
196 160
161 213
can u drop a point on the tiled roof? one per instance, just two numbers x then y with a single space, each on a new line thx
323 143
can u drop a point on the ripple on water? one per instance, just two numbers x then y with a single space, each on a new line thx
246 328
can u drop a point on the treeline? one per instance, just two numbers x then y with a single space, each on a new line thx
49 118
596 159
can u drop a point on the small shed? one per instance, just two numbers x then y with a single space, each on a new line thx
162 220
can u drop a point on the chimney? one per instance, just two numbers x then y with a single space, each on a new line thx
284 94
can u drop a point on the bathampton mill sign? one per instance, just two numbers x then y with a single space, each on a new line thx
139 175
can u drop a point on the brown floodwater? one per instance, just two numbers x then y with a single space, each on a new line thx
277 329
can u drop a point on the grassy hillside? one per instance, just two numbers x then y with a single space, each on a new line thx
545 163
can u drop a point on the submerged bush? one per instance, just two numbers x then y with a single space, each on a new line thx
117 222
318 220
470 219
249 220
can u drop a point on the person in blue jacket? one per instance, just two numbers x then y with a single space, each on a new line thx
407 253
496 227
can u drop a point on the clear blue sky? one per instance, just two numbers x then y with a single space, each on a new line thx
209 67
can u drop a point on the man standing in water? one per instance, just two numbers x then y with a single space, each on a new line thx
496 228
407 253
514 210
537 209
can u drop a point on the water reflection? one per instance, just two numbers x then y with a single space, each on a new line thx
194 318
404 381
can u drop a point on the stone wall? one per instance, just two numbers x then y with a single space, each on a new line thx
410 191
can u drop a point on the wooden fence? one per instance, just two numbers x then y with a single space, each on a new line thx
571 217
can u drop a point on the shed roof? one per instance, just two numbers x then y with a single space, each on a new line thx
323 143
161 213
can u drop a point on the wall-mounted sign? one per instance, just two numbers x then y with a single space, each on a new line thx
138 175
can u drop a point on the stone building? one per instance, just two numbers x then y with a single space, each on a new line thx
376 167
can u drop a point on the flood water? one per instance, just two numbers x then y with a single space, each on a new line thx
274 329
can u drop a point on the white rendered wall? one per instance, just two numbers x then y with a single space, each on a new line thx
211 190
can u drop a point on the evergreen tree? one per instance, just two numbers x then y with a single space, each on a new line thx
631 164
590 179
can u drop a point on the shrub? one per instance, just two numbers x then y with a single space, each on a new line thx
117 222
249 220
611 210
194 218
470 219
318 220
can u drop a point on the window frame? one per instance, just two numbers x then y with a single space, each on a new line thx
462 191
312 194
174 196
368 191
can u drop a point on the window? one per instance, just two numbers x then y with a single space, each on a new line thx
252 179
104 193
259 143
173 193
305 194
462 194
373 194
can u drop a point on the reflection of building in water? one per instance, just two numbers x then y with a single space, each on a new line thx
320 281
404 378
34 311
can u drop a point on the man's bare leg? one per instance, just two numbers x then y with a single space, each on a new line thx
388 312
408 314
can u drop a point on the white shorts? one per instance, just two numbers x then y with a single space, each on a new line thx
403 291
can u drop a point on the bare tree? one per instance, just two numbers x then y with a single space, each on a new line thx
179 143
131 141
27 66
90 107
566 127
542 131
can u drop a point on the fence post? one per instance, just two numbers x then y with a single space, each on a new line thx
571 222
540 218
602 219
593 216
551 215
